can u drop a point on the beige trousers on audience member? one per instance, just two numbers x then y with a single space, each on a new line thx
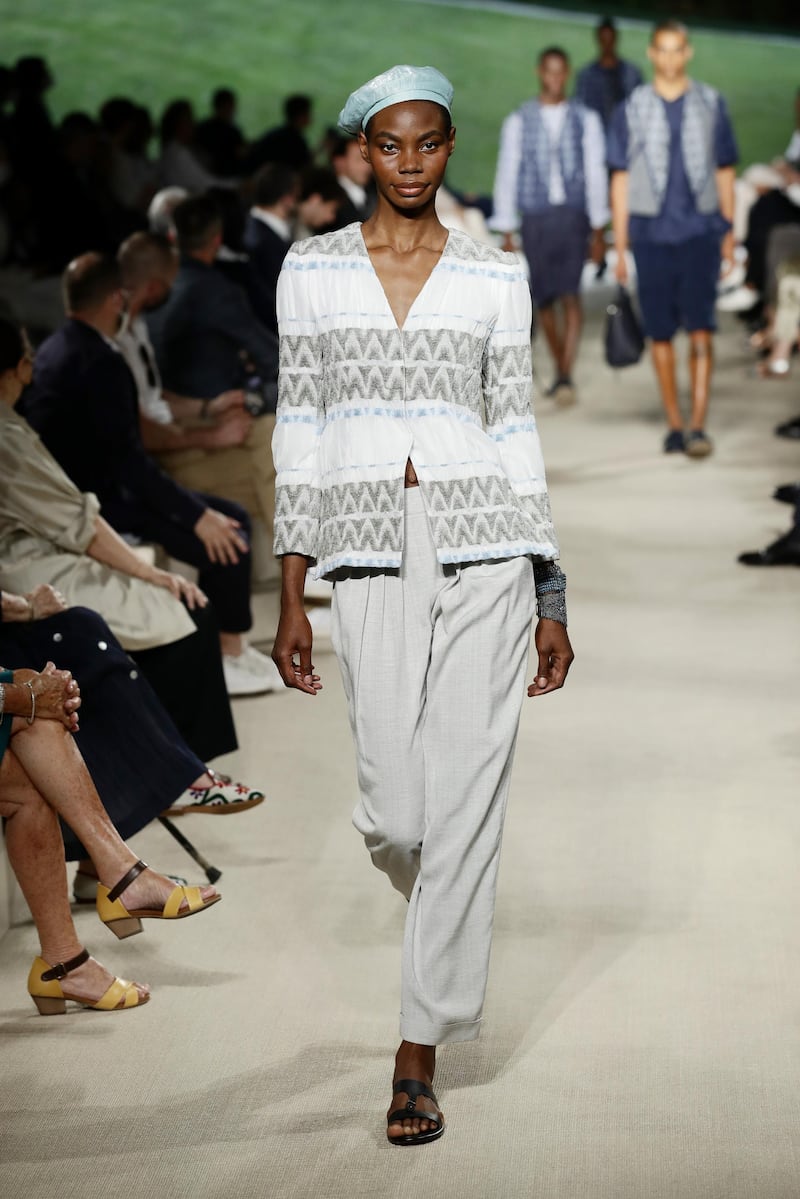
245 473
433 661
787 314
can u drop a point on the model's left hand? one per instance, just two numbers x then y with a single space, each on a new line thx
555 657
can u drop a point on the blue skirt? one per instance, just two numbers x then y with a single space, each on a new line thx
137 758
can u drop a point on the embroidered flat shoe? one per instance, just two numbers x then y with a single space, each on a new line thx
126 923
221 798
44 988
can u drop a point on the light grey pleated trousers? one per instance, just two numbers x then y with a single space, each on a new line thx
433 662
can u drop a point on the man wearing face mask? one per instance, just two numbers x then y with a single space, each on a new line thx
83 403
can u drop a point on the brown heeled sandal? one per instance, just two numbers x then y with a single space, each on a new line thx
124 923
44 988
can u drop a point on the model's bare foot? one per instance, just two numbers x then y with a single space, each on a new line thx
89 982
150 890
417 1062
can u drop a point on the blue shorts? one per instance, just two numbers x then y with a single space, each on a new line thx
677 285
555 244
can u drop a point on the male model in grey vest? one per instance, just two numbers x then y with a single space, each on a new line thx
551 183
672 152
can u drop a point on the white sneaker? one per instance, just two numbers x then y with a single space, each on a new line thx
741 299
250 673
318 589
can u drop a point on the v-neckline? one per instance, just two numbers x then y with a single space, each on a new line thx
415 301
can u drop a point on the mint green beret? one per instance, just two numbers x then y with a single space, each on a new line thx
393 87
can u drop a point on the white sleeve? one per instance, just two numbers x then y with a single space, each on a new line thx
505 218
594 166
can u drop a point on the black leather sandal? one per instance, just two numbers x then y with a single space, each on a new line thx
413 1088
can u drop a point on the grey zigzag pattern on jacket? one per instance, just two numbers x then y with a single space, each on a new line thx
357 392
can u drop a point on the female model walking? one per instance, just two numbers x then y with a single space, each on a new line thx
409 471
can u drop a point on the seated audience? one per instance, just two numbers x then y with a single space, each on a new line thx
52 533
211 445
354 176
178 165
161 208
132 175
285 144
268 235
218 139
42 778
139 763
320 200
84 405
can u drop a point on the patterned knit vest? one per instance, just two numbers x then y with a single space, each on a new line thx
534 172
649 148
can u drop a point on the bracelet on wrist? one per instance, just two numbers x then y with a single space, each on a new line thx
30 719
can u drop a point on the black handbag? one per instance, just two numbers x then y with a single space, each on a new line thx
624 337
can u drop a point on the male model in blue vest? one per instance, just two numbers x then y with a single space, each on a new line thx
552 185
673 154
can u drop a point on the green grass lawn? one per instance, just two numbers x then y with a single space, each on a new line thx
155 50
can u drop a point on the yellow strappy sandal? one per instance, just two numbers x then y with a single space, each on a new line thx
124 923
44 988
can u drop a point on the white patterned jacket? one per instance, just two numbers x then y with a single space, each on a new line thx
451 390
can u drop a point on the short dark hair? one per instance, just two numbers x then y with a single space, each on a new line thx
669 25
12 345
553 52
31 73
196 221
296 106
171 117
143 255
89 280
322 182
223 95
606 23
272 183
339 144
116 113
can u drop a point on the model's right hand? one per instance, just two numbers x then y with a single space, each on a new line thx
181 588
621 270
291 652
226 401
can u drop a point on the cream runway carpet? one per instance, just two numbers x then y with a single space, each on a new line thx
642 1032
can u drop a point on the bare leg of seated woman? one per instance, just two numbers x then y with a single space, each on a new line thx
36 852
43 766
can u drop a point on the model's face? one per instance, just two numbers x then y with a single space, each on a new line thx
669 52
407 148
553 76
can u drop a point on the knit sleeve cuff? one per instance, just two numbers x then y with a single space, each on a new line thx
551 583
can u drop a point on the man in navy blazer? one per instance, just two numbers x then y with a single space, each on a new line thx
268 235
83 402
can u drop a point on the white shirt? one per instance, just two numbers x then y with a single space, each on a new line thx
178 167
133 340
505 218
276 223
793 149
